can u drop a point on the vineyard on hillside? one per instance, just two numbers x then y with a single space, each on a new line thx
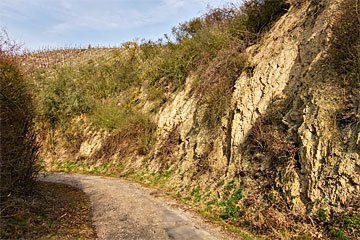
47 58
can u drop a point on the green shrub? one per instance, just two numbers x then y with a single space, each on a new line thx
260 13
132 125
108 116
233 195
60 99
322 215
337 234
19 164
211 48
168 68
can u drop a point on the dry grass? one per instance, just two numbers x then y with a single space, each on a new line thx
53 211
168 146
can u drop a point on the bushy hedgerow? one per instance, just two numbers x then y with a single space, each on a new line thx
19 164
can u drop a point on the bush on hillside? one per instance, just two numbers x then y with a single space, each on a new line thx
125 122
19 165
60 99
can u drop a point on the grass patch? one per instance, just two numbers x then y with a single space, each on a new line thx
129 125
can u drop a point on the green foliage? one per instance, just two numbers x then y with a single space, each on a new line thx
80 166
352 222
345 225
18 149
322 215
155 177
209 47
60 98
337 234
129 123
196 194
108 116
233 195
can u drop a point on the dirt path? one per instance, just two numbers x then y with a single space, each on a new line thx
125 210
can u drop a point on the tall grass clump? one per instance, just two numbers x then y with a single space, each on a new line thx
130 125
19 164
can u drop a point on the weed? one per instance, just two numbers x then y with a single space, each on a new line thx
168 145
269 136
344 57
232 195
337 233
322 215
196 194
222 203
155 177
68 166
344 51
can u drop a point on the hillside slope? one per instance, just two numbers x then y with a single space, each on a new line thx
276 153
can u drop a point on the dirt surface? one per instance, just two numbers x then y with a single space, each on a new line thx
125 210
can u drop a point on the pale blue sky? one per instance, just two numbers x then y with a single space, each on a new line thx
39 23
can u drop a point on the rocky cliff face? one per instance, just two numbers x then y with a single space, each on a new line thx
282 136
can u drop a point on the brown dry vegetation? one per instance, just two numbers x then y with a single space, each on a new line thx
51 211
19 165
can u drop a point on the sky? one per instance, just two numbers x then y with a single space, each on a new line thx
38 24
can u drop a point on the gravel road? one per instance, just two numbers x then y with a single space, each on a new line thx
126 210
